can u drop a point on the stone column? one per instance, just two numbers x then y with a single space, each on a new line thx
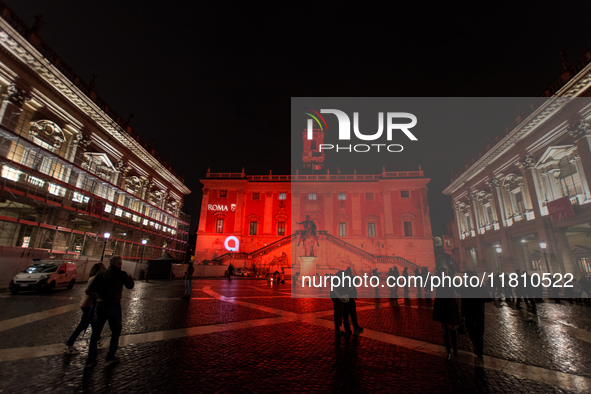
203 215
268 213
494 185
387 200
536 203
458 217
357 226
239 211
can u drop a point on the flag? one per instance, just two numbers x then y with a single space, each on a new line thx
317 167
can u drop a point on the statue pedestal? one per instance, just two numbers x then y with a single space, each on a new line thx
308 266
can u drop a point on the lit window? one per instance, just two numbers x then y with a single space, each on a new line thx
282 196
311 196
408 229
118 212
151 223
108 208
26 241
369 196
77 197
223 193
56 190
253 228
127 214
280 228
36 181
404 194
342 196
136 218
145 222
256 196
342 229
371 229
157 226
219 226
10 173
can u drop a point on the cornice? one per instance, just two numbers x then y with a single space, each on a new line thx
23 51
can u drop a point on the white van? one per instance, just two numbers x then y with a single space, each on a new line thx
44 275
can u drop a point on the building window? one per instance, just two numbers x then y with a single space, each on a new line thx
342 196
223 193
488 214
585 266
535 265
283 196
342 229
253 228
280 228
311 196
371 229
219 226
256 196
369 196
447 243
408 229
404 194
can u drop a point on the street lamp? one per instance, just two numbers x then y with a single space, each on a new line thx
499 250
144 242
543 246
106 236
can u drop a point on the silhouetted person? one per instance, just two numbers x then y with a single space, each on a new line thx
108 284
188 277
338 298
395 274
350 308
230 271
447 312
87 305
417 284
405 274
474 300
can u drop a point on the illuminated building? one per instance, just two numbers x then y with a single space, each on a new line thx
71 169
368 221
531 185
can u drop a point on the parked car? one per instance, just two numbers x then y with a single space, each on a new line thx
44 275
242 272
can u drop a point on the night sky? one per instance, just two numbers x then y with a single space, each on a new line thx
211 82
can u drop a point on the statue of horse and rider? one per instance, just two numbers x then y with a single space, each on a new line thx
308 237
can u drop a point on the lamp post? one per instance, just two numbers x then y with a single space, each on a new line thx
543 246
144 242
499 250
106 236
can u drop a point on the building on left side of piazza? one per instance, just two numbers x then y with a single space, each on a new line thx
72 170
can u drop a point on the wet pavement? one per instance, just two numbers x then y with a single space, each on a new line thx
246 335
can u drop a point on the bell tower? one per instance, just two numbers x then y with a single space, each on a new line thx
312 158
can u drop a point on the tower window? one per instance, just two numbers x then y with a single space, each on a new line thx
369 196
280 228
282 196
404 194
256 196
223 193
219 226
342 229
408 229
371 229
253 228
342 196
311 196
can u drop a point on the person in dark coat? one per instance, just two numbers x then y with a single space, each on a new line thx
447 312
474 300
339 298
230 271
395 275
405 274
350 308
188 277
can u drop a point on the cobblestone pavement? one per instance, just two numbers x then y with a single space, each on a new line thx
246 335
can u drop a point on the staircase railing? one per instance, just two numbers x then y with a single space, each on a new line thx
350 248
395 260
273 246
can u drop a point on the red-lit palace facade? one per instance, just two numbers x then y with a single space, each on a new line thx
362 220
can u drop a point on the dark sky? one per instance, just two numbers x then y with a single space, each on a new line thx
211 82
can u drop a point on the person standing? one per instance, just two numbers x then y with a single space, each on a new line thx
338 300
405 274
350 308
447 312
395 274
230 271
417 284
86 305
474 300
108 285
188 277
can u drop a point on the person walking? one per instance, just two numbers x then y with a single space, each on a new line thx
447 312
230 271
350 308
395 274
474 300
108 285
405 274
188 277
87 306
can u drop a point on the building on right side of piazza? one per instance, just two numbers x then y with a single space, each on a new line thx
530 186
